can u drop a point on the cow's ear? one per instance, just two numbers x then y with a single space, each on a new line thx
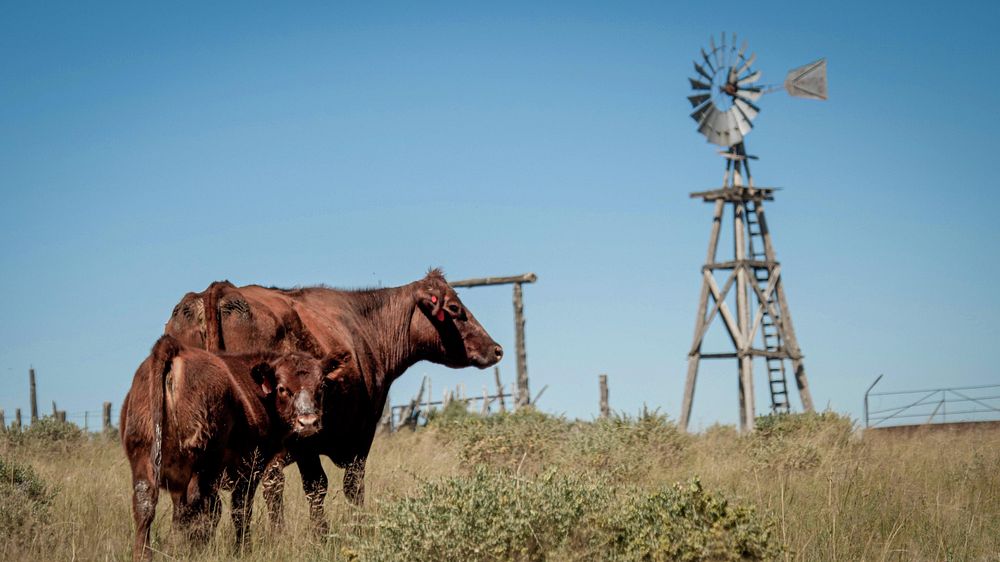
431 299
333 364
263 374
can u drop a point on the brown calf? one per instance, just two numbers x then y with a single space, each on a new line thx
192 418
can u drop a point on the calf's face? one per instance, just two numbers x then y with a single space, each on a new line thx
294 384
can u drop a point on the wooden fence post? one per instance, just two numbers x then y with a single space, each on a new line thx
55 411
61 416
523 394
106 416
3 422
34 395
17 419
496 375
605 408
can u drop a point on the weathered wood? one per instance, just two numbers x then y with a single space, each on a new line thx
54 409
605 408
486 402
539 395
3 421
106 416
736 195
759 264
721 300
743 313
17 419
523 394
33 394
61 416
496 376
385 420
701 324
732 327
787 328
485 281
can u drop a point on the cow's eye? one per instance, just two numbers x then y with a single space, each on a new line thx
283 390
454 309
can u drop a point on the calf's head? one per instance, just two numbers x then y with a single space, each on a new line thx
293 388
449 333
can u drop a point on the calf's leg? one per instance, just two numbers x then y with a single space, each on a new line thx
314 484
273 490
354 480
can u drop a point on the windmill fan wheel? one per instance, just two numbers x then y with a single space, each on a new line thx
724 92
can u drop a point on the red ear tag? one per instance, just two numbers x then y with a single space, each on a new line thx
440 316
434 299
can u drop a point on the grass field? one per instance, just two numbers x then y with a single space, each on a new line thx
535 487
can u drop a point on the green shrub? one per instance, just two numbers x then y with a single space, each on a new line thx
798 441
686 523
490 515
524 439
626 446
24 500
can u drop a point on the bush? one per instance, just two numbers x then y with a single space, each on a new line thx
24 501
798 441
47 431
505 440
687 523
626 446
488 516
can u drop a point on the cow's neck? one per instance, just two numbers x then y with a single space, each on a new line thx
388 342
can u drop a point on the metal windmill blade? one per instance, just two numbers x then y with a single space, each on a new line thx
722 76
725 89
808 81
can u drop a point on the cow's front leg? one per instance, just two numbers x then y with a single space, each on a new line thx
314 484
273 490
354 481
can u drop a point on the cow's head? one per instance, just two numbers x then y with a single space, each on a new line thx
292 385
453 337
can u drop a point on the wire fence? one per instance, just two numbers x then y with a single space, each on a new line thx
93 421
932 406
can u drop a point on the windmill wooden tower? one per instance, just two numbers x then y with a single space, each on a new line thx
724 100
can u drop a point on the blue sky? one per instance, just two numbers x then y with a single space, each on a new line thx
147 151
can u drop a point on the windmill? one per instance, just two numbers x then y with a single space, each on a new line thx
725 95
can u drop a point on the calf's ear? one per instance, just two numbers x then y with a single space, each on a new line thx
263 374
334 364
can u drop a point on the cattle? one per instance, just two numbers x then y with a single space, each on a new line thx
193 419
376 334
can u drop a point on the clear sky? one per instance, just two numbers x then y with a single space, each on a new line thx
146 151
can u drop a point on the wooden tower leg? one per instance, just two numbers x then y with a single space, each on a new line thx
787 328
747 411
694 356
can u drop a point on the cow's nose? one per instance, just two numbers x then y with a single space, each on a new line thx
308 422
498 352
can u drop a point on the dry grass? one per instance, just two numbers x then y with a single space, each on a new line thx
830 493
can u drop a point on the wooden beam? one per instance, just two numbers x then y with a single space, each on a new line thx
731 326
485 281
700 324
523 395
700 336
787 328
33 395
605 408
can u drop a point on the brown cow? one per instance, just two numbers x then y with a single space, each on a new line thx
377 333
193 417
